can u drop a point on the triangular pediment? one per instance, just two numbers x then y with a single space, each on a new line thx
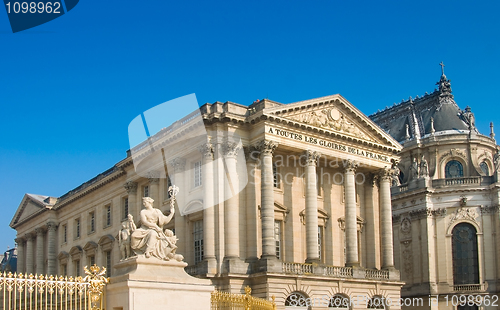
30 205
333 113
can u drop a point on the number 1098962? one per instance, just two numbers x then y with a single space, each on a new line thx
33 7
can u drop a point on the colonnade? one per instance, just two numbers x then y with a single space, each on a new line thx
31 259
265 150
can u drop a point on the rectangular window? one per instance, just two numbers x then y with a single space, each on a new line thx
92 221
125 208
197 173
65 233
145 191
108 215
92 260
64 269
277 238
198 241
276 176
77 268
108 263
77 228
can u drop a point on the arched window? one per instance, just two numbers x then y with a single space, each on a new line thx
484 167
339 302
376 302
464 248
296 301
453 169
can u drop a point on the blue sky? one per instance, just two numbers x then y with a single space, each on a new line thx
69 88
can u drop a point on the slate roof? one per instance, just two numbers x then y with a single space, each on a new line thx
438 108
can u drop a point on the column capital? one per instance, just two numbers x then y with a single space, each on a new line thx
39 231
350 166
20 240
230 148
29 236
130 187
312 157
386 174
52 226
267 147
251 153
153 176
371 178
178 163
207 150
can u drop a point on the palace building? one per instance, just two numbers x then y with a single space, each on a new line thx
293 200
445 202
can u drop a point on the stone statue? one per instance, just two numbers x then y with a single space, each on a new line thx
395 176
424 167
496 161
130 223
414 169
150 239
469 119
124 241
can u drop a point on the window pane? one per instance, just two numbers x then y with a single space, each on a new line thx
454 169
484 168
198 241
465 259
197 173
277 238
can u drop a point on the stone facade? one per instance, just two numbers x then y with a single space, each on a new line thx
448 177
313 217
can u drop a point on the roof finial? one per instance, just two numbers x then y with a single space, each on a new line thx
492 133
442 67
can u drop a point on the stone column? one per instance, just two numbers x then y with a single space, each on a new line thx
39 251
51 251
208 204
29 253
251 156
267 148
351 225
386 218
20 255
154 187
131 188
311 206
231 214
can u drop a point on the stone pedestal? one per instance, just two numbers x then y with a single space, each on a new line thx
143 283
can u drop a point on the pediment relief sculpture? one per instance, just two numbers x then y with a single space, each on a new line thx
331 119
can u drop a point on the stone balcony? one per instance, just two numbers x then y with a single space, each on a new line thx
470 288
305 269
442 183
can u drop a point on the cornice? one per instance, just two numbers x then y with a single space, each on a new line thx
77 195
